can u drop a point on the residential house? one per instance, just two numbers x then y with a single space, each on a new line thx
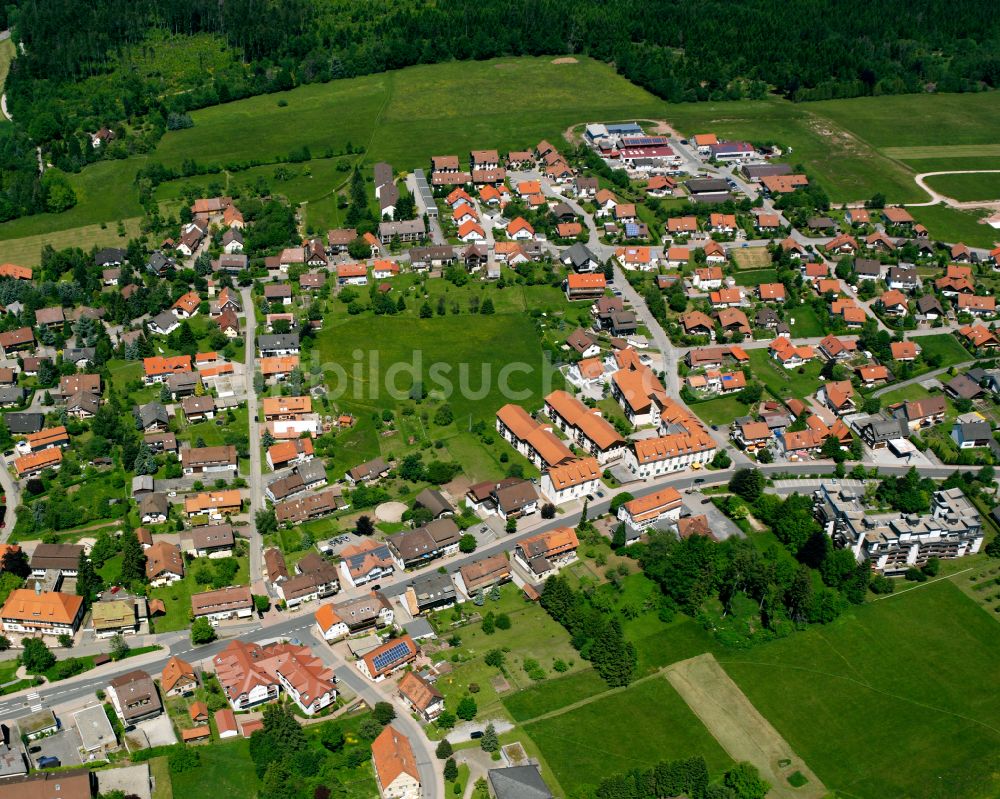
543 554
134 697
222 604
164 564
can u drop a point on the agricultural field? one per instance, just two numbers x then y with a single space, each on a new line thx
984 186
923 664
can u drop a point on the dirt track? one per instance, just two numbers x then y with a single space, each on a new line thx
742 731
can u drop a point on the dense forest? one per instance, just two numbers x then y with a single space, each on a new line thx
118 63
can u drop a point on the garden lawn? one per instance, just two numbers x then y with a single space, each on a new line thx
785 382
720 411
635 728
225 770
915 673
807 324
8 668
967 187
754 277
946 345
177 597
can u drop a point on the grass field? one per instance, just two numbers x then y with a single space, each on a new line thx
785 382
963 188
635 728
910 120
951 224
6 56
27 250
225 770
497 358
914 674
751 258
739 727
945 345
720 411
754 277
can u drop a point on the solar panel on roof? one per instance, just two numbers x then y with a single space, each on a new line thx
390 656
631 229
643 141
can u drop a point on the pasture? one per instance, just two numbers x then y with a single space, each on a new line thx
913 674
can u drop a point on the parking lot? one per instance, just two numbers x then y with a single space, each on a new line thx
64 745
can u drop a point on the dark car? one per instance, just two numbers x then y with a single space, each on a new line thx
34 749
476 734
48 762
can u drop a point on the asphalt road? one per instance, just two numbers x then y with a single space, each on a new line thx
256 480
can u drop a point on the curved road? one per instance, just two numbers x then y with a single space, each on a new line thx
937 197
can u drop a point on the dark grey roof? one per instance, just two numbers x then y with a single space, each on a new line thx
707 186
278 341
75 354
433 587
434 501
152 412
382 173
164 320
518 782
881 428
756 171
388 196
24 422
11 394
158 262
578 255
903 274
109 256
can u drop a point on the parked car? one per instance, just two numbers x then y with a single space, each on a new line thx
49 762
476 734
34 749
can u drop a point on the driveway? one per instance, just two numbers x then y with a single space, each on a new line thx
64 745
159 731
